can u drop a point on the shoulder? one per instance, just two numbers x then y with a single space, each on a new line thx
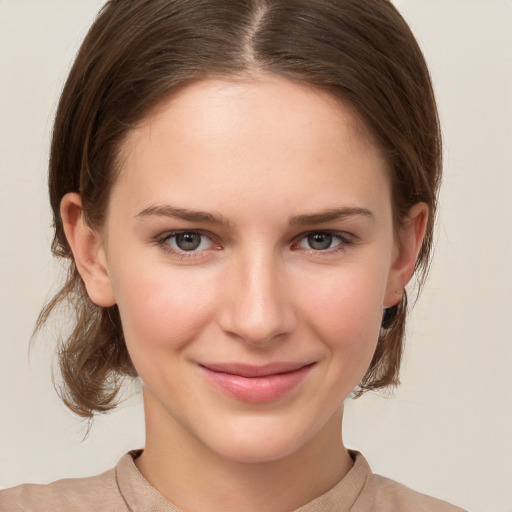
78 494
390 496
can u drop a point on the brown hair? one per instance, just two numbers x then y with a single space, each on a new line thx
138 52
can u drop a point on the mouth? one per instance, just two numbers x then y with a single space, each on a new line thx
256 384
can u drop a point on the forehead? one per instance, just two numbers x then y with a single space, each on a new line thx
245 136
265 100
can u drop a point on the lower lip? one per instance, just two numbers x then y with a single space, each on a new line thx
257 389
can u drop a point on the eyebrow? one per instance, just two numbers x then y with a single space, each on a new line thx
319 217
184 214
329 215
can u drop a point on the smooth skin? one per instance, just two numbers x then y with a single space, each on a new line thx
285 252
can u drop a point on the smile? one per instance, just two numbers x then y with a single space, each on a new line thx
256 384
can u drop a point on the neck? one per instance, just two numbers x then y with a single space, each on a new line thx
194 477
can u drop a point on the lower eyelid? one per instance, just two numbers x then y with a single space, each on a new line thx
163 242
343 238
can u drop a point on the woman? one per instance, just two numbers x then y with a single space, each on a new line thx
243 189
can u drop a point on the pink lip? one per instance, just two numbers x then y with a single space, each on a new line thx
256 384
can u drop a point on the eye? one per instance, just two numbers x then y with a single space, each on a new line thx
322 241
186 241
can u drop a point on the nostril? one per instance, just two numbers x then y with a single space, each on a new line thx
256 325
256 306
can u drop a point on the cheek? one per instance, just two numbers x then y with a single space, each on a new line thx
345 308
161 309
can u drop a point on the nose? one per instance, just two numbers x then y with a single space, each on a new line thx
257 307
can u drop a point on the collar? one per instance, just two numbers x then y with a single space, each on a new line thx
140 496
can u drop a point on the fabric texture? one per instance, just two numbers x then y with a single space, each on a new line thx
124 489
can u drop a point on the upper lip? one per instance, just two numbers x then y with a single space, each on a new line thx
248 370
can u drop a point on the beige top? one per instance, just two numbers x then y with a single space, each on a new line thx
124 489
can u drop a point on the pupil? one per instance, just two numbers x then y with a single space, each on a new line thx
188 241
320 241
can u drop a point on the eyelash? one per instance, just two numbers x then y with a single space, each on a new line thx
342 237
163 242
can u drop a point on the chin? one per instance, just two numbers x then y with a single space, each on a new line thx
260 441
257 451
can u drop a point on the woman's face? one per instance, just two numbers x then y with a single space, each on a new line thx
249 246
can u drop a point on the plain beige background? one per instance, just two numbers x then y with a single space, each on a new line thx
448 430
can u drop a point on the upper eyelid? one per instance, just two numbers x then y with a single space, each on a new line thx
169 234
345 239
333 232
161 241
162 238
211 236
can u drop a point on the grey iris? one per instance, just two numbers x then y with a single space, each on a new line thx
188 241
320 241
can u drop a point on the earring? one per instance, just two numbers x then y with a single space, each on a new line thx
387 317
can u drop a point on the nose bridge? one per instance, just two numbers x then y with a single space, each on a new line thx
257 309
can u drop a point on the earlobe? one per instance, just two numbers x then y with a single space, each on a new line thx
88 251
411 238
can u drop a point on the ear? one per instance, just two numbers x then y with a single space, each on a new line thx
88 251
411 237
